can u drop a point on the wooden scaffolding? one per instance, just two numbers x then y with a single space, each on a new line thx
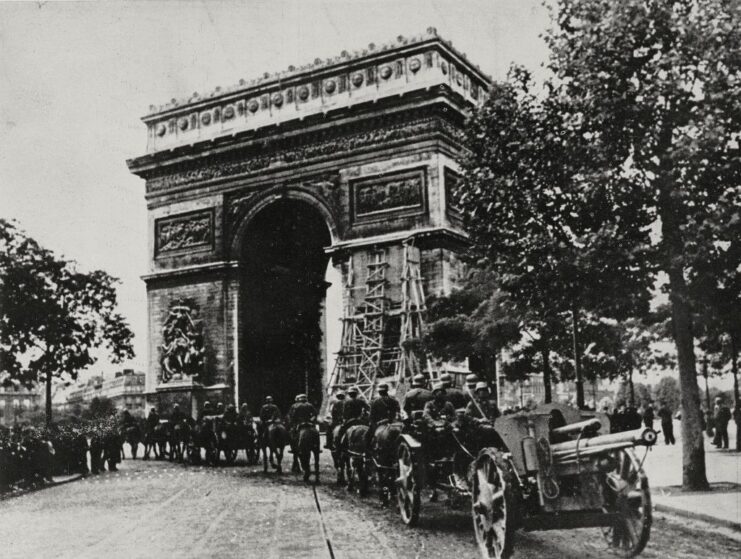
381 338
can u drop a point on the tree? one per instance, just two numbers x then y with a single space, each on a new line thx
655 85
667 391
53 317
557 236
100 408
472 322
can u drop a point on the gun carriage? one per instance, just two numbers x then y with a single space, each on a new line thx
551 470
558 472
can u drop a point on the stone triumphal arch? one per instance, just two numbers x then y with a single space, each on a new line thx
253 190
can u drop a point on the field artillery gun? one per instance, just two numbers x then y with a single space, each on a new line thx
557 472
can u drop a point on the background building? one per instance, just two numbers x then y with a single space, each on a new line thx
125 390
17 402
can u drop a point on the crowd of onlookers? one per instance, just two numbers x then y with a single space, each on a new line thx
31 455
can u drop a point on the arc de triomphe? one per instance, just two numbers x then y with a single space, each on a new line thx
253 190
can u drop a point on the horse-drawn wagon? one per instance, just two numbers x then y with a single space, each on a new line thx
552 470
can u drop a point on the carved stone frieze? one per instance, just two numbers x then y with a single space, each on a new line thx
335 146
391 193
186 231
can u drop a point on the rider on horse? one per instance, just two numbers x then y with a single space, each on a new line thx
417 397
177 416
269 411
336 417
385 408
301 412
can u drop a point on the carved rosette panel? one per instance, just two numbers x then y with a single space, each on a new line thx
185 232
391 194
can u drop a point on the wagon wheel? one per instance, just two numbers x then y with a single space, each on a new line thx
627 495
408 485
494 504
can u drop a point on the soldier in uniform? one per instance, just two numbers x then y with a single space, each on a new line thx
269 411
481 414
230 415
177 416
301 412
220 408
382 408
353 409
453 394
206 411
417 397
335 417
153 419
245 416
439 415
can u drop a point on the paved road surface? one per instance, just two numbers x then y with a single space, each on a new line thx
156 509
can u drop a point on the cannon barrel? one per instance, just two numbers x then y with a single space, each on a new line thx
639 437
587 425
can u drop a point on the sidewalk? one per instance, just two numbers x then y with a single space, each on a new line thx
721 505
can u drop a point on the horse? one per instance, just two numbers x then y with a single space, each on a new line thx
355 444
308 443
180 436
156 439
246 438
226 436
384 451
203 436
132 435
339 456
274 438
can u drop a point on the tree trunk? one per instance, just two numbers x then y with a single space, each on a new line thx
48 398
693 452
545 354
734 367
577 359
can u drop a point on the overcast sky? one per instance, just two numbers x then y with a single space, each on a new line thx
75 78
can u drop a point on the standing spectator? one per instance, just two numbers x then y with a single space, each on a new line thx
648 415
722 417
667 426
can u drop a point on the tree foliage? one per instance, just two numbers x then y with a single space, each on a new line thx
52 316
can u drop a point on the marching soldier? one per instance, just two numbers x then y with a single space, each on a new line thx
417 397
453 394
336 417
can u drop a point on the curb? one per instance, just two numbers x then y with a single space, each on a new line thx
736 526
47 485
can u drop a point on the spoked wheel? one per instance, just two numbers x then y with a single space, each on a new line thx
408 489
628 496
493 506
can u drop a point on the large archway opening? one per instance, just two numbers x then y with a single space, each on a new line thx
283 267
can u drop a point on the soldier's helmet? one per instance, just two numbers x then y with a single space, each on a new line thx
340 395
353 390
268 399
446 379
174 407
207 404
301 398
245 406
472 379
220 406
231 407
418 381
438 387
383 388
482 386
